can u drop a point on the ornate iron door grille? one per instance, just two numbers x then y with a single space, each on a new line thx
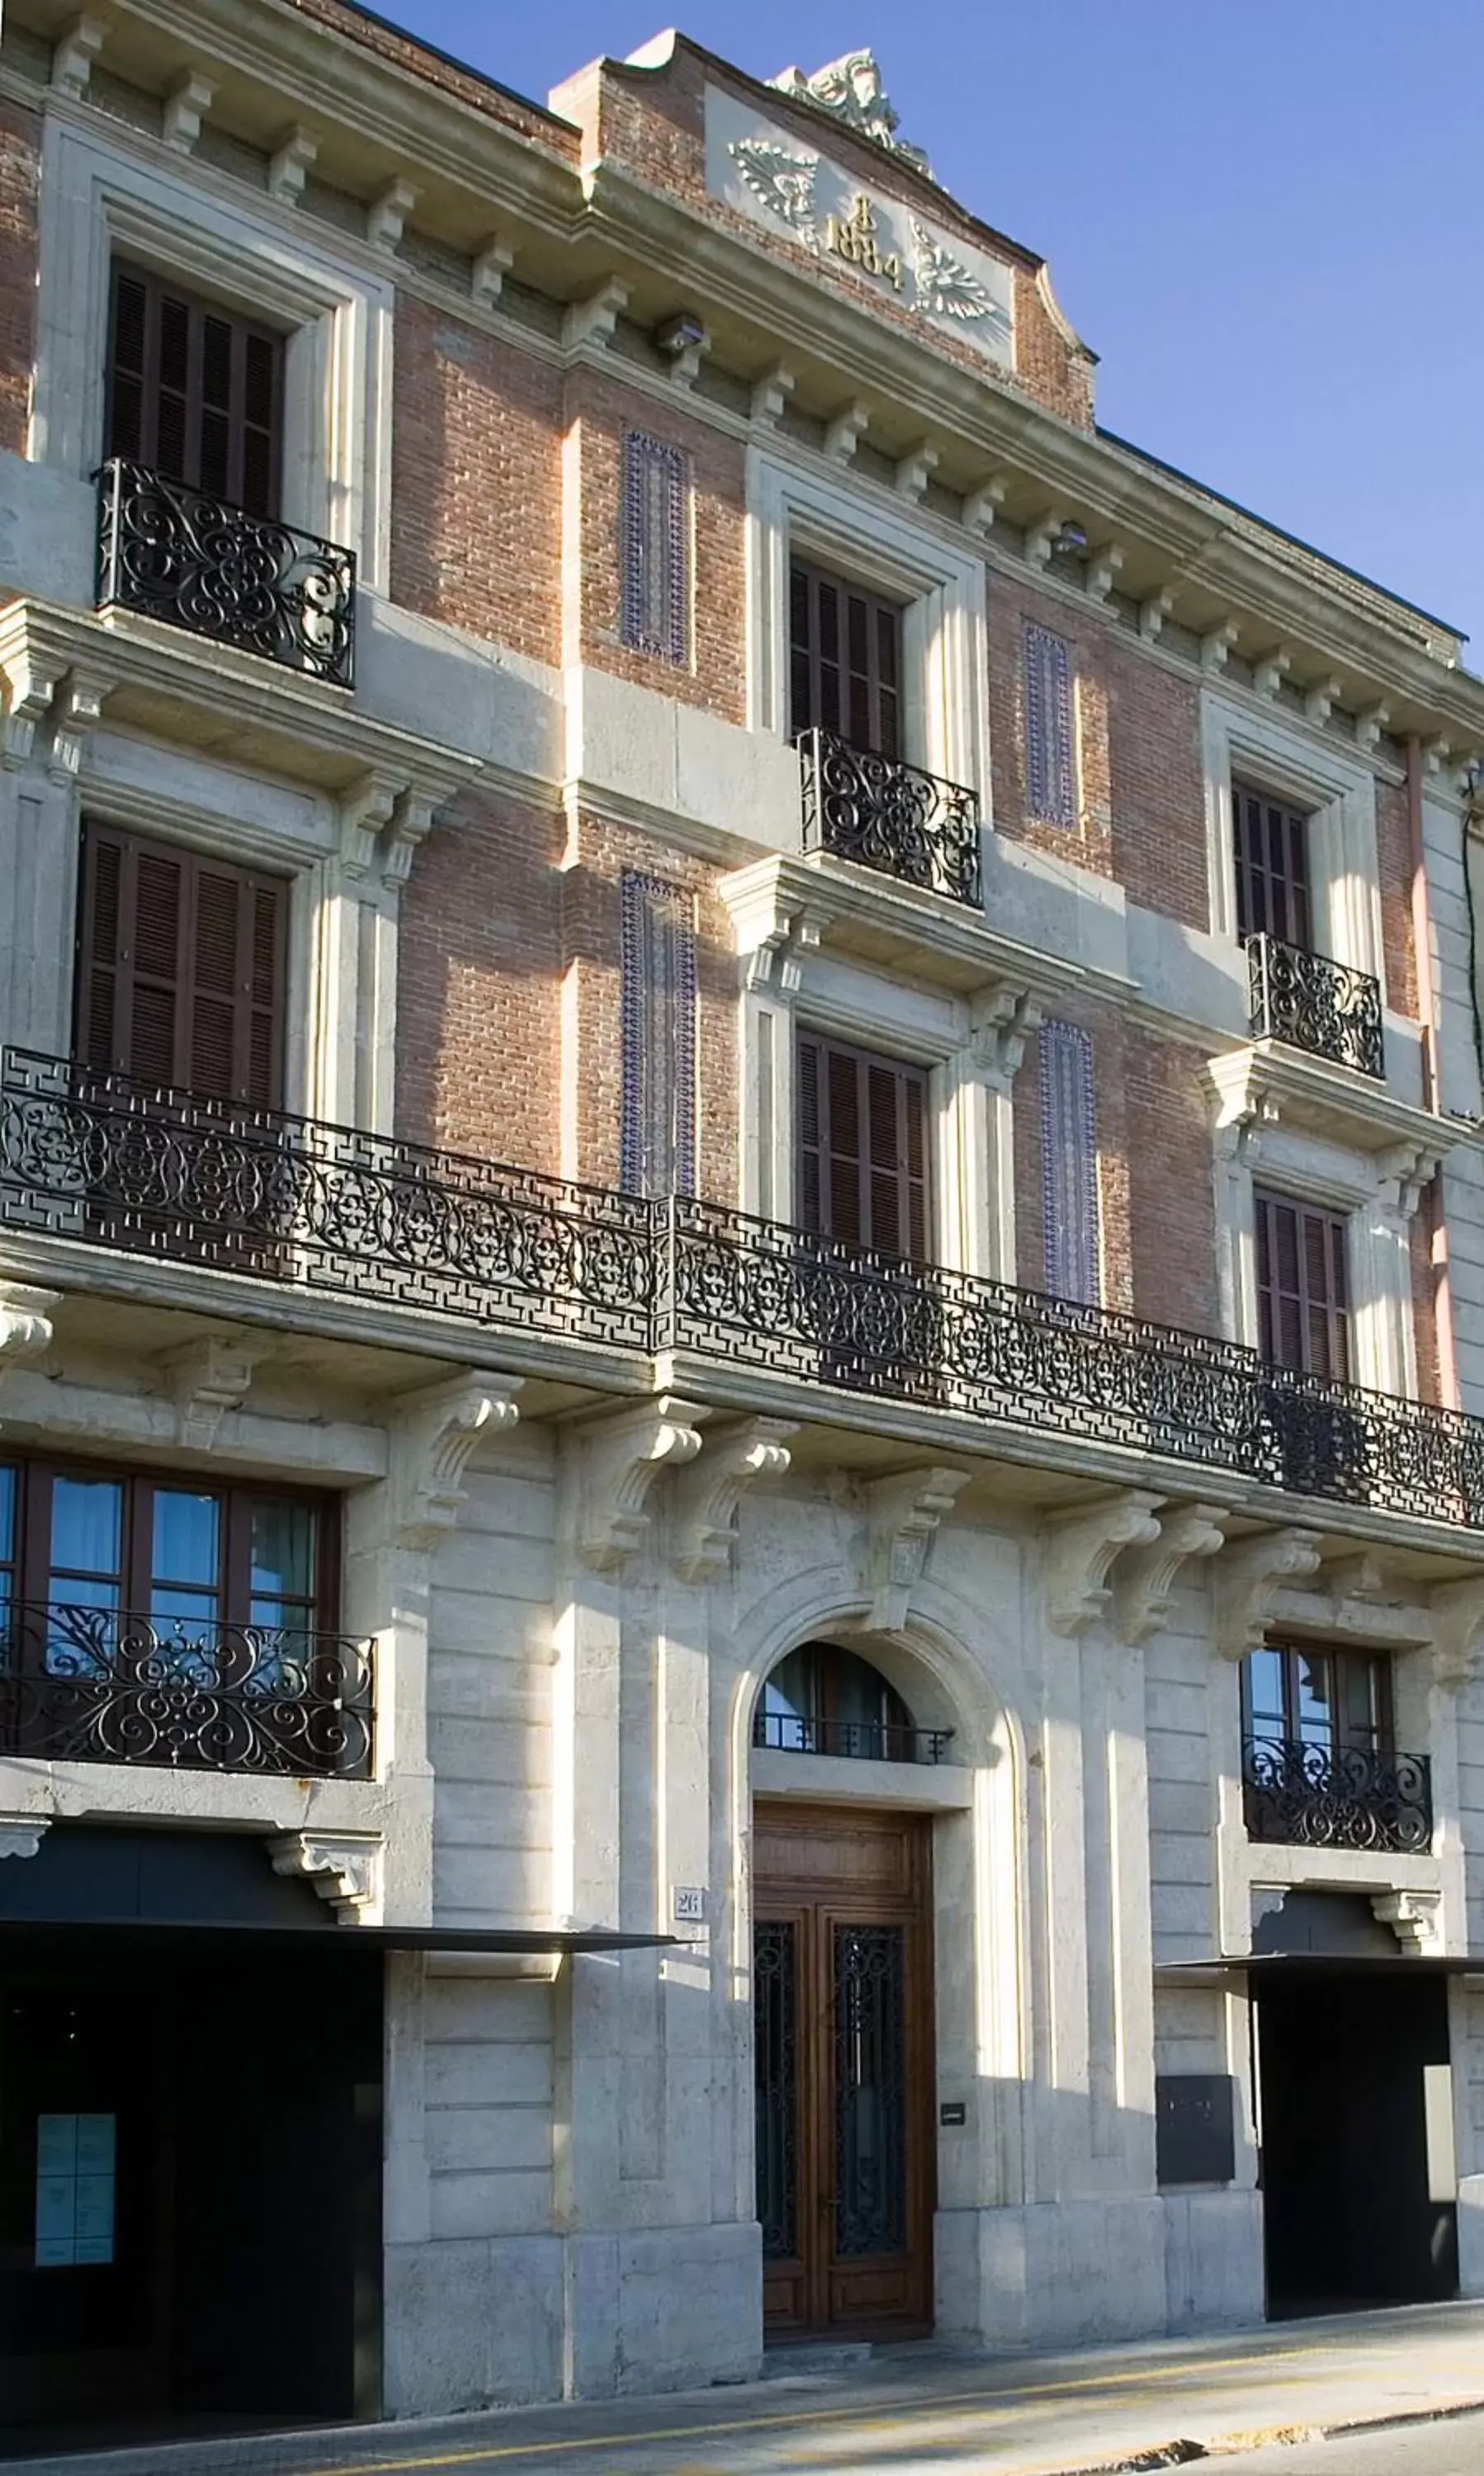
194 562
98 1685
869 2090
890 816
1316 1004
1336 1796
775 2072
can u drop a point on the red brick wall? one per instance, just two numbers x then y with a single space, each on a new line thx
477 482
1138 738
509 1034
1394 860
1154 1184
600 407
20 139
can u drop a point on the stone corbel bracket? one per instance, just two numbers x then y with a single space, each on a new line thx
386 215
21 1834
206 1379
26 1324
1102 568
1457 1630
621 1459
288 168
1146 1578
74 53
915 470
707 1492
1003 1020
1249 1578
1081 1546
1415 1918
902 1514
185 106
344 1868
433 1433
491 265
844 434
983 505
770 395
592 321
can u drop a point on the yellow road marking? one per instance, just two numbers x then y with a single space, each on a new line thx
486 2455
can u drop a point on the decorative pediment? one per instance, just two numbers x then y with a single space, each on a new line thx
708 1489
1081 1549
904 1512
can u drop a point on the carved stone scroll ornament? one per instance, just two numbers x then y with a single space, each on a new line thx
852 92
948 287
344 1866
709 1491
1146 1580
781 181
1081 1546
621 1459
1248 1579
433 1434
905 1512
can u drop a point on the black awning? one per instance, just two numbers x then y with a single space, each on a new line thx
221 1935
1269 1965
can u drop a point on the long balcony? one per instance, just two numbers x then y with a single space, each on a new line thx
113 1163
890 816
1313 1003
99 1685
1336 1796
249 582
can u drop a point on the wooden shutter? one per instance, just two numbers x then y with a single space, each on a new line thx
1050 747
845 662
654 547
1273 867
1072 1221
862 1149
1302 1289
194 391
181 968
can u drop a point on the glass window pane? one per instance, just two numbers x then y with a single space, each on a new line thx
281 1548
87 1529
1313 1701
7 1514
1265 1692
788 1692
187 1535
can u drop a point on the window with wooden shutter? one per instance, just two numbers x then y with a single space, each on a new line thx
1273 867
845 662
862 1149
194 391
1302 1287
181 968
1050 745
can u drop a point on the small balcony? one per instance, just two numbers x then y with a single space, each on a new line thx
858 1741
99 1685
1314 1004
890 817
1336 1796
249 582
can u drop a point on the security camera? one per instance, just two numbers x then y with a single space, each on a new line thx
681 334
1071 537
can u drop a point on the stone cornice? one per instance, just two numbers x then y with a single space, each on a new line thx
528 183
936 940
1267 1083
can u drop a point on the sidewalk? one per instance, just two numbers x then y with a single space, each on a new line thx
914 2410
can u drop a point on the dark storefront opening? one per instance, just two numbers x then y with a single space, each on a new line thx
1359 2194
190 2148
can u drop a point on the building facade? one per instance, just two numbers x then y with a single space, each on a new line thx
743 1270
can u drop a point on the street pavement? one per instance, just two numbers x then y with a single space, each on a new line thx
928 2412
1453 2447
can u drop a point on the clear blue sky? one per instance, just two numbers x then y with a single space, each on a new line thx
1264 215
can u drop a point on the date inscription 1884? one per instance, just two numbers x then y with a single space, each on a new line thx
856 238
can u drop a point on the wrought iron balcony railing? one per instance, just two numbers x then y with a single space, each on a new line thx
873 1740
1316 1004
98 1685
154 1171
116 1163
181 556
1336 1796
890 816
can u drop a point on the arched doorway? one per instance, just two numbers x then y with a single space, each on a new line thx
842 1979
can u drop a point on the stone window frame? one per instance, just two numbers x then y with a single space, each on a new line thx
99 202
1286 757
943 591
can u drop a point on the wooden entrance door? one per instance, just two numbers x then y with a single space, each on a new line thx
843 2031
